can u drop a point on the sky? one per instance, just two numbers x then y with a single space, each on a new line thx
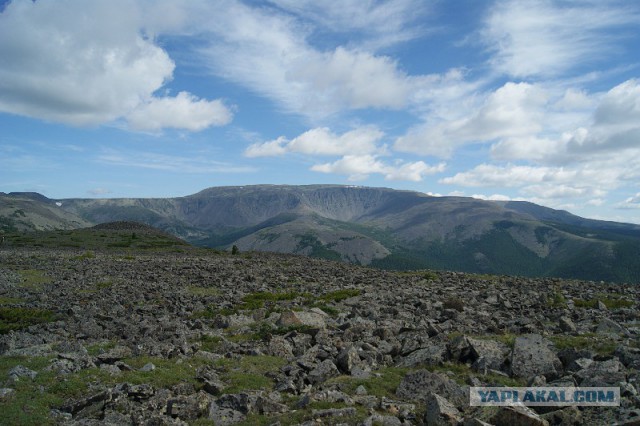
504 100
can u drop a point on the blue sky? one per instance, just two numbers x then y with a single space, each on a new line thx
524 100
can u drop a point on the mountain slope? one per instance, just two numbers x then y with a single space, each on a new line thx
387 228
30 211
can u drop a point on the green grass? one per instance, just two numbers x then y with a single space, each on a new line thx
339 295
383 382
609 302
10 300
33 278
557 299
16 318
601 344
249 372
462 373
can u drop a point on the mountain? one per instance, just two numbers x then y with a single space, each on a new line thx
30 211
384 228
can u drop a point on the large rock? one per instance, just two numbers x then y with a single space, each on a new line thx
602 373
519 415
295 318
419 385
441 412
323 372
347 359
430 355
532 356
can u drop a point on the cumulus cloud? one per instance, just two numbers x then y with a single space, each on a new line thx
321 141
545 38
359 167
84 63
184 111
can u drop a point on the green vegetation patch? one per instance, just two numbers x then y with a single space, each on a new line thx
339 295
33 278
10 300
383 382
17 318
601 344
609 302
462 373
249 372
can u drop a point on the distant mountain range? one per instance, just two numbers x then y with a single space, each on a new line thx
371 226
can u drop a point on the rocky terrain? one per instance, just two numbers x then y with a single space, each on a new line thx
146 330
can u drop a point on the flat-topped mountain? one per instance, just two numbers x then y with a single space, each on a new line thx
380 227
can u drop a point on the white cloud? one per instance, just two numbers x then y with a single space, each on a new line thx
513 110
184 111
494 197
268 52
620 107
546 38
359 167
83 63
321 141
630 203
381 22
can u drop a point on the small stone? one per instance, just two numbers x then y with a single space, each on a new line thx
567 325
6 392
361 390
19 372
148 367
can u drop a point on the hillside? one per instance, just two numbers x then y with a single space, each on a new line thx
386 228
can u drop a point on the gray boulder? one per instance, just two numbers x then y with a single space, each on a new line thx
532 356
441 412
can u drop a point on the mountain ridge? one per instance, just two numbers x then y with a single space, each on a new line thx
381 227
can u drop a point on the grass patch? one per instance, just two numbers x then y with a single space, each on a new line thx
33 278
609 302
462 373
384 382
339 295
601 344
556 299
100 347
20 318
86 255
249 372
10 300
